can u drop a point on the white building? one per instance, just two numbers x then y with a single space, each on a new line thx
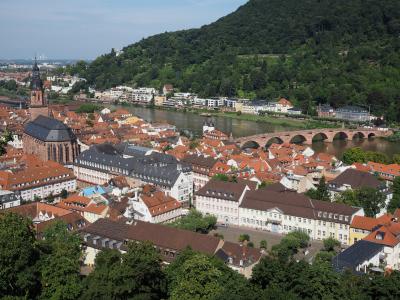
9 199
222 199
143 95
17 141
38 182
102 162
201 167
153 206
285 211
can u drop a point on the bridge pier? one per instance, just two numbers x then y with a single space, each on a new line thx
307 136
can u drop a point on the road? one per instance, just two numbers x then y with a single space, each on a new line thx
232 233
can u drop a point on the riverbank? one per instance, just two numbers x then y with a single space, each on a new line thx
282 121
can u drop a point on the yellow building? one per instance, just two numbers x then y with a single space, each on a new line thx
159 100
360 226
131 120
239 106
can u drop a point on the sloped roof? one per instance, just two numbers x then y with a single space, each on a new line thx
49 130
367 223
356 179
160 235
356 255
225 189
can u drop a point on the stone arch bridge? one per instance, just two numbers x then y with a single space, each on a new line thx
308 136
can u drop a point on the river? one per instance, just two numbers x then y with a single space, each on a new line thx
194 122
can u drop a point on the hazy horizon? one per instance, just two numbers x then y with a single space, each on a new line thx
86 29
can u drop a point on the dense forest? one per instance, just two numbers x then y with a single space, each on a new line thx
310 51
50 268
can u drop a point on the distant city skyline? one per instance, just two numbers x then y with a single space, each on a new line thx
72 29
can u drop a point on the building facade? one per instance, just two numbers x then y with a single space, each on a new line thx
102 162
222 199
50 139
38 182
283 212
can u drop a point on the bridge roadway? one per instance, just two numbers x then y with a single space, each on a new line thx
307 136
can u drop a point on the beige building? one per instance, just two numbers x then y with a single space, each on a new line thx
159 100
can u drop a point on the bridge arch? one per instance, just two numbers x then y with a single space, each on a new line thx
250 144
371 135
358 135
319 137
273 140
341 135
298 139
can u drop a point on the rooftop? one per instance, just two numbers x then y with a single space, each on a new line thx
49 130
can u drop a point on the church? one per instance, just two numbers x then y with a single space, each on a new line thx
43 136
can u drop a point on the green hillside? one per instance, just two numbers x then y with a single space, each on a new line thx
311 51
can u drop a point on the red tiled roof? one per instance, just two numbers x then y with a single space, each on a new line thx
367 223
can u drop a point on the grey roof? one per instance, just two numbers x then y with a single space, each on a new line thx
226 190
132 150
8 196
356 255
298 205
156 168
49 130
352 108
356 179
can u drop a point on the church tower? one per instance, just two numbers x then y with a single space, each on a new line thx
38 102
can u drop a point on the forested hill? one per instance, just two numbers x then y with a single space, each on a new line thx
311 51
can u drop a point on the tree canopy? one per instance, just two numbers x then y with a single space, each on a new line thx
333 51
196 222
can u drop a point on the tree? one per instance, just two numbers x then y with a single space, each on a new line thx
18 257
244 237
221 177
230 285
136 274
88 108
198 279
196 222
64 194
263 244
102 282
371 200
290 245
348 197
331 244
396 159
321 193
60 265
322 190
353 155
4 139
395 201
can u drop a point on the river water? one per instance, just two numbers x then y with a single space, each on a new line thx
194 122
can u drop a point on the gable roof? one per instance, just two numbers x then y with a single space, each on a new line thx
299 205
355 255
160 235
49 130
225 190
367 223
356 179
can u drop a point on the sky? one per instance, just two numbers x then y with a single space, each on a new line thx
85 29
